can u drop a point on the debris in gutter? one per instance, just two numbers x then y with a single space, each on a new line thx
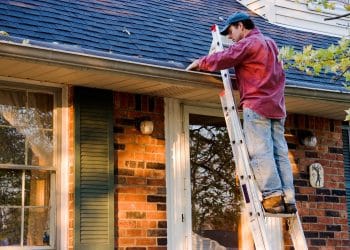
25 41
4 33
125 30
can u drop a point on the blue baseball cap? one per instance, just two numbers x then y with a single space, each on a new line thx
234 18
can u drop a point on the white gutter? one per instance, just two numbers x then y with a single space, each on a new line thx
108 64
141 67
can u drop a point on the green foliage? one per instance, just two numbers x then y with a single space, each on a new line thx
347 117
215 195
334 59
323 3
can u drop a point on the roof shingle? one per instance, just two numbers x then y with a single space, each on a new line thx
160 30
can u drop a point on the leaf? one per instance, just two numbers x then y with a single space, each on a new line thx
347 117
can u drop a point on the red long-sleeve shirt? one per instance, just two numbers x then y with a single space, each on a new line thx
260 76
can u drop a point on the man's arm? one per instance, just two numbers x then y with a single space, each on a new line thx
221 60
194 65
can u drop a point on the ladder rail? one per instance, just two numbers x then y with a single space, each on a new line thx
247 182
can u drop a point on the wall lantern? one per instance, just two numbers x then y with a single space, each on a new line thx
145 125
316 175
307 138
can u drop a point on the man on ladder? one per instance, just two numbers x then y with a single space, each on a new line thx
261 83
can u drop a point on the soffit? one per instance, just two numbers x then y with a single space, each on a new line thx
188 86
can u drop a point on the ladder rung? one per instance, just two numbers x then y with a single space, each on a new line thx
251 194
280 215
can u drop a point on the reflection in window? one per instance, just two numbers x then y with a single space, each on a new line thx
26 168
214 192
26 124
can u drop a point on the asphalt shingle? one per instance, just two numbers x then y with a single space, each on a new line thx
161 30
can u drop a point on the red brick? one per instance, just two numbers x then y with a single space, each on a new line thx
136 233
156 182
136 181
126 224
325 220
156 215
324 205
317 227
132 206
122 241
131 197
307 190
146 224
146 241
317 212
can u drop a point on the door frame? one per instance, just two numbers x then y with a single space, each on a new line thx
179 228
187 168
178 186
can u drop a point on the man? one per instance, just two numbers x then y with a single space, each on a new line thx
261 82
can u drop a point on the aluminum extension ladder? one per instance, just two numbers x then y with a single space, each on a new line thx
250 191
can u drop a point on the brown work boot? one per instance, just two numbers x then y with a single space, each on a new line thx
274 205
290 208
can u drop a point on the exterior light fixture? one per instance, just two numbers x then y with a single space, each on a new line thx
145 125
307 138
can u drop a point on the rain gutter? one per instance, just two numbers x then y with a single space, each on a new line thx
88 59
171 72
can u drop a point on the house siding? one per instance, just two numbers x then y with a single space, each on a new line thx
139 174
301 15
140 186
322 210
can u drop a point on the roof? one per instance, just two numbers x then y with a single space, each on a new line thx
160 32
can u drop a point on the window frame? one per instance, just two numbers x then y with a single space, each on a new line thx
58 172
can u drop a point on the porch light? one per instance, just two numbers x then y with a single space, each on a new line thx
307 138
145 125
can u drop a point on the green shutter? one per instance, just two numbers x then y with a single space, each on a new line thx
346 153
94 178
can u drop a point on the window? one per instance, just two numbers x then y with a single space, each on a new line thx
27 168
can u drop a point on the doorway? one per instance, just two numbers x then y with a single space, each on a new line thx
214 199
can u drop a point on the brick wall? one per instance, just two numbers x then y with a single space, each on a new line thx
140 194
140 197
322 210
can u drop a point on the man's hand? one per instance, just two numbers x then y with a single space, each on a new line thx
194 65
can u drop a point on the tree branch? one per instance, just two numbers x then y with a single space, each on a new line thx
337 17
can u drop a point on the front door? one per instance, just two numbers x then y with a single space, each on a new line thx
214 199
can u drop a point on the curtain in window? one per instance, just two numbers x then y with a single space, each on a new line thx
26 139
30 117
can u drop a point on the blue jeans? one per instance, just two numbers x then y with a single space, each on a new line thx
268 153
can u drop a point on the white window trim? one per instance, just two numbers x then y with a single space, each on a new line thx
62 175
63 217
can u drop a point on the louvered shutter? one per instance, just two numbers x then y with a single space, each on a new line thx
346 153
94 182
